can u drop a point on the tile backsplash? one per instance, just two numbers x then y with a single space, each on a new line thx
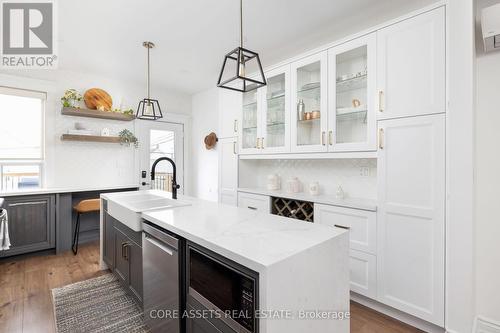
358 177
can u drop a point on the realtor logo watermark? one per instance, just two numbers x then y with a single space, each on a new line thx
28 34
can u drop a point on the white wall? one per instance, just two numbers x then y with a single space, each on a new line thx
205 119
78 164
487 179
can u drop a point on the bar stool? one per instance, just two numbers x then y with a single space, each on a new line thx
84 206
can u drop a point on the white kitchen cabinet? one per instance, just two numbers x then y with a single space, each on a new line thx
411 66
254 202
362 225
265 116
275 98
229 113
228 171
309 78
352 85
363 273
411 216
251 118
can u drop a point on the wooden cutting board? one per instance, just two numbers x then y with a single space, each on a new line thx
96 97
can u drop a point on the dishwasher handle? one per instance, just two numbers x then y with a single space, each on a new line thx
165 248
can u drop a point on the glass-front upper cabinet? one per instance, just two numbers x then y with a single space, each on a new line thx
250 118
276 117
352 86
309 104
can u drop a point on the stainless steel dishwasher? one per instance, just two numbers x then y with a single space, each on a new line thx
161 280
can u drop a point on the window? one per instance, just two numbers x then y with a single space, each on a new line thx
21 138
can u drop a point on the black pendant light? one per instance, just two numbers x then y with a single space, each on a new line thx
233 74
148 108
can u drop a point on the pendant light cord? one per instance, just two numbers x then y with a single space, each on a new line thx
241 23
148 84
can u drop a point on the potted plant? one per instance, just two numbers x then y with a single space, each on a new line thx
128 138
71 96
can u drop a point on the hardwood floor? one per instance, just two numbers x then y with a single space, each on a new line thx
26 299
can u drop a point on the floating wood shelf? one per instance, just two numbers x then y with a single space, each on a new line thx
90 138
68 111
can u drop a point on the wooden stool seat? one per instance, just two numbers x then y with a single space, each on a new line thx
87 206
84 206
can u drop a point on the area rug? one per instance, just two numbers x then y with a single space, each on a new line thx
96 305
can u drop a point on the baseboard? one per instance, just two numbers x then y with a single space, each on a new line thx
398 315
485 325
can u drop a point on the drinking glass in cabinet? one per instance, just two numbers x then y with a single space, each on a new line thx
308 105
351 96
275 115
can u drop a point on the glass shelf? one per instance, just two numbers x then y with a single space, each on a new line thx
249 105
309 121
312 92
252 128
355 83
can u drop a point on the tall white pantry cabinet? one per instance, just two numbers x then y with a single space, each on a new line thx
397 253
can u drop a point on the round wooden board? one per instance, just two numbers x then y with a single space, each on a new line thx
96 97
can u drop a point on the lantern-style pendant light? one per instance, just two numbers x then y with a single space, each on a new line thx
234 76
148 108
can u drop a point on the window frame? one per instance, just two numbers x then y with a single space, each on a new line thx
39 161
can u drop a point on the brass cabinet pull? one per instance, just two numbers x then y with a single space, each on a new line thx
257 143
234 148
323 138
381 138
235 126
126 250
123 249
380 101
261 143
330 138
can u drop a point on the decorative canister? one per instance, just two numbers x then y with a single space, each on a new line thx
314 188
293 185
273 182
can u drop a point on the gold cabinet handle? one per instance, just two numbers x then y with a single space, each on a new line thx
381 101
235 126
323 138
261 143
257 143
234 148
381 138
330 138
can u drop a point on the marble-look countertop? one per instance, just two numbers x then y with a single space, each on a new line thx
355 203
51 190
254 239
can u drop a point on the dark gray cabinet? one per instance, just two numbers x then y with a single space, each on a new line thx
122 252
108 246
31 223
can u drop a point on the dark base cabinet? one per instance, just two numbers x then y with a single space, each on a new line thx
122 252
31 223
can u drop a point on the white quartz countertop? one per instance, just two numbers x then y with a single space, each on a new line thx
355 203
65 190
254 239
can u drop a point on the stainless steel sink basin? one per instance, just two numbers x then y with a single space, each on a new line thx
127 207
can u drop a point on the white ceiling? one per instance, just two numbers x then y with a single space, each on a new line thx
105 37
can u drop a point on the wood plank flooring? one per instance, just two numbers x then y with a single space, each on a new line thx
26 299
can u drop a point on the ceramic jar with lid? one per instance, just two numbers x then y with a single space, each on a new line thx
293 185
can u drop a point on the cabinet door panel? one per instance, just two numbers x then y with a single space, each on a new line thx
254 202
228 171
31 224
109 240
363 273
352 90
411 175
309 79
250 132
411 65
121 263
229 108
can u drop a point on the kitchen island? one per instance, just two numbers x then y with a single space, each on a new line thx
301 269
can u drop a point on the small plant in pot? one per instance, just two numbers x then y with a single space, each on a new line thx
71 96
128 138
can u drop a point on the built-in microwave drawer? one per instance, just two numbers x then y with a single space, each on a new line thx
254 202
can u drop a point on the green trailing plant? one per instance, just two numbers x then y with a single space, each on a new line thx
128 138
70 97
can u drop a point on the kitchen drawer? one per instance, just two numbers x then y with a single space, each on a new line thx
363 273
362 225
254 201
